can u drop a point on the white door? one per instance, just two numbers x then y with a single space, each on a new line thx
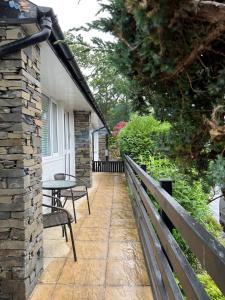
67 150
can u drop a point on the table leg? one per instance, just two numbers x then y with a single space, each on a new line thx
59 194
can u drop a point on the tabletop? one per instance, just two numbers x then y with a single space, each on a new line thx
58 184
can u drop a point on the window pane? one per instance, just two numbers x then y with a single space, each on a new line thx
65 133
46 148
55 128
68 130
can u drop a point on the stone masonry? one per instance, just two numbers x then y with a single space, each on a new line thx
83 156
20 169
102 146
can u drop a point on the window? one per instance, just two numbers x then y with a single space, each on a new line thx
55 127
68 128
46 142
66 131
49 127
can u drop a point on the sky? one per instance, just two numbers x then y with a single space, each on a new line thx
74 13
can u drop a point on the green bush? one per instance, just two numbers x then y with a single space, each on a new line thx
143 135
189 194
216 172
210 287
144 139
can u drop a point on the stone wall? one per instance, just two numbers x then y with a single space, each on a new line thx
102 146
20 169
83 154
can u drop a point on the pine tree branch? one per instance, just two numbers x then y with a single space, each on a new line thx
205 11
210 11
195 53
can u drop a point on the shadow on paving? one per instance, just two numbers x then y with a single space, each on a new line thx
110 260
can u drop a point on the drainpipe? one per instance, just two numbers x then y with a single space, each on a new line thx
43 35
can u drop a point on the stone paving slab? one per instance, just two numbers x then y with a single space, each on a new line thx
110 260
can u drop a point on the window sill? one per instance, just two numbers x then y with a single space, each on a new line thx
55 157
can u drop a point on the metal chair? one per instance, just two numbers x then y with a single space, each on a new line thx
74 194
59 217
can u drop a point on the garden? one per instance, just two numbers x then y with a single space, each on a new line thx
146 140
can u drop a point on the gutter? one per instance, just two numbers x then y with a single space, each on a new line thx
45 22
65 54
50 30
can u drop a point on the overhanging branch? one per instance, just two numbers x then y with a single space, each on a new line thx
210 11
195 53
205 11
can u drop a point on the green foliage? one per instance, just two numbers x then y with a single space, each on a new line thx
192 259
217 171
112 91
143 134
145 139
154 39
212 290
190 194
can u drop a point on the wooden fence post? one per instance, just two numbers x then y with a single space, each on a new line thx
144 167
167 185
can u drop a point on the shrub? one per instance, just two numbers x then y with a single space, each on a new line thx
144 139
210 287
216 172
143 135
189 194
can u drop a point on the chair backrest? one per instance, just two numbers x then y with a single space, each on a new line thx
60 176
64 176
58 215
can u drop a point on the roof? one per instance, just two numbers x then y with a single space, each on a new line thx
68 60
25 12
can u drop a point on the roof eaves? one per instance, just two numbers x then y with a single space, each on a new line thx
66 56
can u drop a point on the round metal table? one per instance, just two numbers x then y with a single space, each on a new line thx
56 186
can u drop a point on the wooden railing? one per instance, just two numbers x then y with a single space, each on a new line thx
108 166
164 258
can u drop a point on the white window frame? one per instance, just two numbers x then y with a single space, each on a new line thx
52 154
67 132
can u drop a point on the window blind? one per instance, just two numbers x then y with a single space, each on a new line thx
55 127
46 142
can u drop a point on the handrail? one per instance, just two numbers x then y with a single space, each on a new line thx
207 249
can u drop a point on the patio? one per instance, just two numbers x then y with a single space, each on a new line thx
110 260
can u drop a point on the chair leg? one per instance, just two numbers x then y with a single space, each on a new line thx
89 210
74 211
64 232
72 240
64 202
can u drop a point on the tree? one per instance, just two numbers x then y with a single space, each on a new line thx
112 91
174 51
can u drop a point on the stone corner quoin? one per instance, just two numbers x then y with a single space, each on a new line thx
20 169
